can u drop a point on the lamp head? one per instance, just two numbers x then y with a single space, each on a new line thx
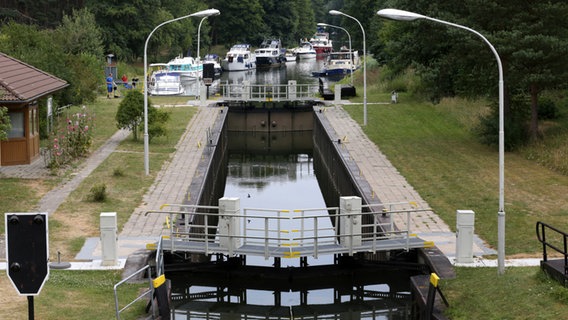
321 24
206 13
400 15
335 12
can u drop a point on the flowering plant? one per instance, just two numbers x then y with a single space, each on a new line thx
71 139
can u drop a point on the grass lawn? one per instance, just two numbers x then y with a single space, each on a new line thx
89 294
434 149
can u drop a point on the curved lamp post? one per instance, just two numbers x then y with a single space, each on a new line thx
396 14
204 13
199 31
321 24
337 13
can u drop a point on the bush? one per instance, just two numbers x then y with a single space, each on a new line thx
118 172
547 109
98 193
71 139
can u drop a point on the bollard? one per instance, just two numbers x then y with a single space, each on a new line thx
350 221
337 93
109 240
229 224
464 236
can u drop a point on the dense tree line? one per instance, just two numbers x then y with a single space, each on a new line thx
531 38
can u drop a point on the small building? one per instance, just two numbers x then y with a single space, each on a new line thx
21 86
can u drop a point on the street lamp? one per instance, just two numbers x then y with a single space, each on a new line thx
199 31
203 13
396 14
336 13
321 24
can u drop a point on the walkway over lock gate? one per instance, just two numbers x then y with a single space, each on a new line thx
269 92
273 233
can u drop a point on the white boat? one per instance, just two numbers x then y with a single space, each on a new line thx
290 56
270 54
164 83
305 51
321 43
239 58
340 63
186 67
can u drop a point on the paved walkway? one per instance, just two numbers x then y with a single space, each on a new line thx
173 180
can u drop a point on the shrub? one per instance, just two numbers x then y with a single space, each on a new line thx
71 139
98 193
547 109
118 172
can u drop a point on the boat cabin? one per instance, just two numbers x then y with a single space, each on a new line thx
21 86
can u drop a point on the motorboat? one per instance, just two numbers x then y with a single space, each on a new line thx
305 51
214 59
290 56
186 67
340 63
239 58
321 43
270 54
164 83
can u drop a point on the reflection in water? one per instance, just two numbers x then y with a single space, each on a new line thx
281 175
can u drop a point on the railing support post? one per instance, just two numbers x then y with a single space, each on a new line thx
350 222
229 224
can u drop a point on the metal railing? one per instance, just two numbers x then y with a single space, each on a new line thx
150 292
558 241
268 92
285 233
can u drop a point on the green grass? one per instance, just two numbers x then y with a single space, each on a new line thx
91 293
435 150
125 190
521 293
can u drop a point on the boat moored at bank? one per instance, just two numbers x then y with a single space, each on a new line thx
270 54
239 58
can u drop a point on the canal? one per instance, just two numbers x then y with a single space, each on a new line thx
277 171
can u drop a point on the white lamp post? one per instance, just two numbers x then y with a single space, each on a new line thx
336 13
199 31
396 14
204 13
321 24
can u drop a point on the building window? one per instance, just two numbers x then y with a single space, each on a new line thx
17 122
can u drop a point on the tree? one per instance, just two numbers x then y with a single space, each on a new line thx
130 115
242 22
532 43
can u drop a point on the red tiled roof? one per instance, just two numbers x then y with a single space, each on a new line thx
20 82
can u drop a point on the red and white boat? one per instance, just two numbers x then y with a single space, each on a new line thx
321 43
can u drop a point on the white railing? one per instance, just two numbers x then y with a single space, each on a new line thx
285 233
268 92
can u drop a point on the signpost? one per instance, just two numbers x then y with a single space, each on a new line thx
27 253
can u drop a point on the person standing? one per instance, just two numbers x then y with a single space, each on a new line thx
124 80
109 83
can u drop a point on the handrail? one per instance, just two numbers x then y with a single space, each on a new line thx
142 295
541 228
276 228
268 92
